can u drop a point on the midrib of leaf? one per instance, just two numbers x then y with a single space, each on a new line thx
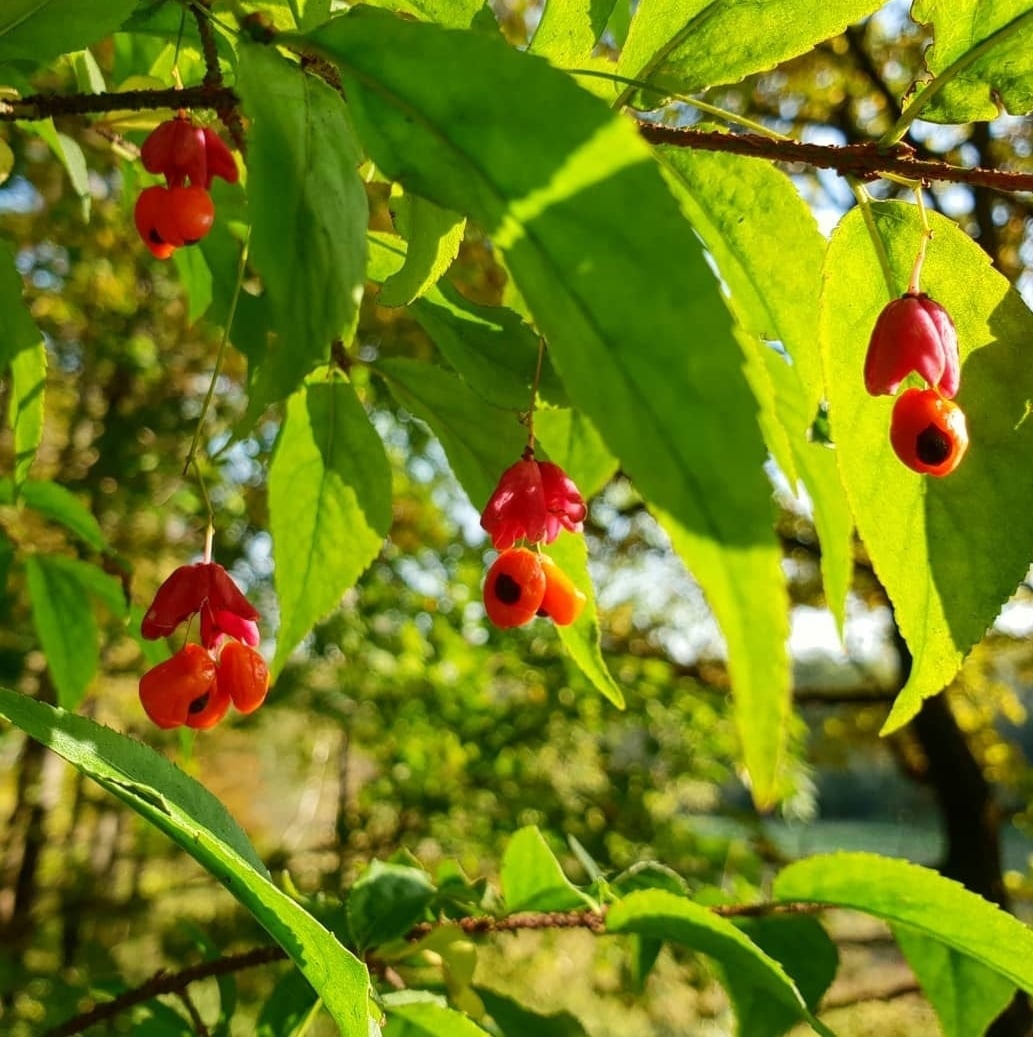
4 29
658 58
952 71
712 527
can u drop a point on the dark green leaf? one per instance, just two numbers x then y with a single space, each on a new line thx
515 1020
480 441
808 955
196 279
309 214
684 46
532 879
905 893
386 901
38 30
329 505
918 530
17 330
552 193
285 1008
967 995
454 14
69 154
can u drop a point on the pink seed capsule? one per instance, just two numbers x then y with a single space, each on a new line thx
913 334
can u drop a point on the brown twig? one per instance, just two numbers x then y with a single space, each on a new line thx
866 161
163 982
43 106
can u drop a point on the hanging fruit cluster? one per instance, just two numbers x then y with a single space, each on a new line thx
915 335
196 686
533 502
180 213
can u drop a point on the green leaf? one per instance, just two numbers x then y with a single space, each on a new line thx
196 278
17 330
69 154
808 955
683 46
532 879
329 505
197 822
309 214
65 624
59 504
981 58
918 530
28 389
581 638
551 194
573 442
740 206
453 14
428 1019
480 441
907 894
665 916
88 76
386 901
286 1007
38 30
516 1020
434 236
310 13
966 995
569 30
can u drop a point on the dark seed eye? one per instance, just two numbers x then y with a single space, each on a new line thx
156 238
198 705
933 446
507 590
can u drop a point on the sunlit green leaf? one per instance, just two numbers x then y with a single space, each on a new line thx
196 821
686 45
981 58
569 29
918 529
61 505
908 894
28 390
532 879
554 195
433 235
574 443
329 505
741 207
65 624
428 1019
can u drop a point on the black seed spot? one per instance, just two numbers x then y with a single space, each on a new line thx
198 705
507 590
933 446
156 238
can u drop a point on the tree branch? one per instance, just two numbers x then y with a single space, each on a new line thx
865 161
163 982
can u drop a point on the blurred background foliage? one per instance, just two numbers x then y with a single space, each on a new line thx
408 724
